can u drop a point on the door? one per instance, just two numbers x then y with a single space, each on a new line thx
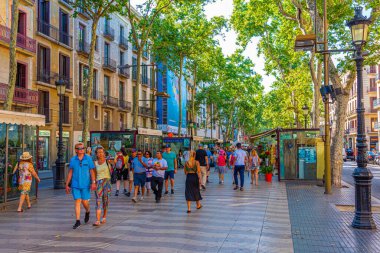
290 158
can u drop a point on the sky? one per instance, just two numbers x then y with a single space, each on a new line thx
228 43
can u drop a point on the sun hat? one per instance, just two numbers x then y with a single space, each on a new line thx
25 156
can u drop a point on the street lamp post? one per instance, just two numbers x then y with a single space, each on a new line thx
362 175
59 179
305 110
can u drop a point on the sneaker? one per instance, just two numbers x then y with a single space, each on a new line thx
141 198
117 193
128 194
87 217
241 189
125 192
77 224
134 199
172 191
166 192
236 188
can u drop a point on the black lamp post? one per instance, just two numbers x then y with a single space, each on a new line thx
59 179
305 110
362 175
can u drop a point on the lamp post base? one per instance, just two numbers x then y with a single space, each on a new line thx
363 212
59 175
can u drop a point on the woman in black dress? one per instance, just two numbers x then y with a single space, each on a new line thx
193 177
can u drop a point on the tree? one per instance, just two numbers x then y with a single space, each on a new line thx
95 9
12 57
301 16
182 35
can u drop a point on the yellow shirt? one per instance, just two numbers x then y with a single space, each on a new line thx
102 171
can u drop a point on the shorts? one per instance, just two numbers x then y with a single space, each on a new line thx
222 169
168 174
83 194
139 179
122 174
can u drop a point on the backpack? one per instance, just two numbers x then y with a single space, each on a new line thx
221 159
119 162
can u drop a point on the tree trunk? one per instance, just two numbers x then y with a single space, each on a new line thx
337 140
180 95
137 93
89 87
193 112
12 57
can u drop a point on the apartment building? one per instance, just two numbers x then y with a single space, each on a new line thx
370 95
25 96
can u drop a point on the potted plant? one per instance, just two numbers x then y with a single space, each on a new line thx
267 171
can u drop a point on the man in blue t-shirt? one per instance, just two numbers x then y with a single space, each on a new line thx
139 163
171 159
82 177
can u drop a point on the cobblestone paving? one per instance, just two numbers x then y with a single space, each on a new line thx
255 220
317 226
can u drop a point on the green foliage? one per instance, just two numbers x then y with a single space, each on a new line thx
266 170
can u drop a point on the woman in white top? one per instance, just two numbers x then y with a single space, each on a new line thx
254 164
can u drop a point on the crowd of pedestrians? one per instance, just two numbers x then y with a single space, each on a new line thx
140 173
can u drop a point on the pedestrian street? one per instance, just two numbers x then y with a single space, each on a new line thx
253 220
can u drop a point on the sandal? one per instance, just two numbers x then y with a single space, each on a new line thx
22 210
103 221
199 207
188 211
29 207
97 223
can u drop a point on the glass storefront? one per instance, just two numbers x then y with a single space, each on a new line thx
14 140
43 153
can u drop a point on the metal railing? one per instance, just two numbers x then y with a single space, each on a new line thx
68 80
21 95
107 126
109 64
125 105
22 41
123 43
109 32
126 72
96 94
46 76
145 111
82 47
110 101
47 112
54 33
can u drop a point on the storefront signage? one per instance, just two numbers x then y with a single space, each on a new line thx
173 140
64 134
147 131
44 133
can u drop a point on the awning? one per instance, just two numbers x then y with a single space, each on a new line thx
263 134
21 118
198 138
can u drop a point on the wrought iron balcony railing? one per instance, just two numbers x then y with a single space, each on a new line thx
125 72
21 95
125 105
110 101
109 64
54 33
123 43
22 41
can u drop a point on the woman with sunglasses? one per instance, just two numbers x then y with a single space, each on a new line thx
149 171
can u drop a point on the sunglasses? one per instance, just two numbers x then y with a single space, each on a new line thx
139 154
79 148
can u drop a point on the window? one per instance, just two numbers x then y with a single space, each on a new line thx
121 121
106 86
66 110
134 68
83 79
96 112
95 91
144 122
144 97
21 76
144 74
121 34
97 43
81 114
81 37
64 67
43 105
373 121
44 17
121 91
106 121
121 58
106 52
43 64
64 27
22 24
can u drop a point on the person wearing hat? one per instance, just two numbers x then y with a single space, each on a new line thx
26 170
171 160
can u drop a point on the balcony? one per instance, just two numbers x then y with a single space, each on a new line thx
123 43
68 80
22 41
376 103
47 112
21 95
96 94
145 111
110 101
83 48
125 72
109 33
107 126
54 33
125 105
66 3
371 89
109 64
67 116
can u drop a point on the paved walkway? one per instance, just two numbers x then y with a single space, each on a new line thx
256 220
318 225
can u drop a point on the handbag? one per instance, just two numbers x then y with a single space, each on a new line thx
16 177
